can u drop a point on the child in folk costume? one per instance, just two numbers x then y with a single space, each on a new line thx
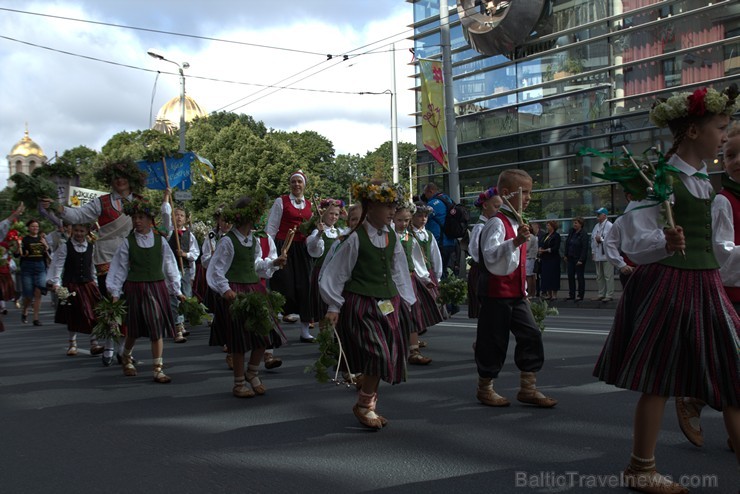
425 312
185 247
430 253
675 332
367 286
236 267
503 296
72 267
489 203
726 225
144 273
319 243
7 268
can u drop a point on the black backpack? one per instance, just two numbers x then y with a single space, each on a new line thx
456 219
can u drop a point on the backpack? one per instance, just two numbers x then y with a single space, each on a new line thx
456 219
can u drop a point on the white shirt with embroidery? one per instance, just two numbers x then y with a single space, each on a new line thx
338 270
224 256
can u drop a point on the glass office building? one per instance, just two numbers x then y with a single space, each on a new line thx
588 82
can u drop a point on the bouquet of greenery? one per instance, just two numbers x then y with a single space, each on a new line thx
257 310
194 311
30 189
540 310
452 290
109 319
328 353
308 226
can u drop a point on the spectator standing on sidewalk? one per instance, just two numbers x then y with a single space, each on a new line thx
449 248
604 270
576 250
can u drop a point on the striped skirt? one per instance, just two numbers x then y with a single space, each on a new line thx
237 339
200 287
473 302
434 290
675 333
78 313
7 287
148 311
425 312
318 306
375 344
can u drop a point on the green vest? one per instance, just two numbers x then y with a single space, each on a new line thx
408 246
426 249
328 241
242 266
695 216
371 276
145 264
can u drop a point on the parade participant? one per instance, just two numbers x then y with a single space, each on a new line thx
7 287
503 296
318 245
425 312
186 251
33 251
72 267
367 287
143 272
236 267
268 251
287 213
430 252
489 202
664 342
726 217
125 179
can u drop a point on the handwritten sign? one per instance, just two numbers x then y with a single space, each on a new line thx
79 197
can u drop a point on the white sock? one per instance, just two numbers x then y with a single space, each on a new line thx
108 350
73 338
305 333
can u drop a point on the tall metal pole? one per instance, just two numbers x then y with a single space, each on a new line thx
444 24
394 116
182 111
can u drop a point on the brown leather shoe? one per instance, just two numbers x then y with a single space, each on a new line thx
416 358
367 417
688 412
488 396
96 349
536 399
272 362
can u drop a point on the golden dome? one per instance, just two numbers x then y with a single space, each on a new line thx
27 147
170 111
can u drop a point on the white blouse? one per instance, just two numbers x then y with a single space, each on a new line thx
60 256
224 255
119 265
474 244
338 270
436 258
315 241
500 256
276 213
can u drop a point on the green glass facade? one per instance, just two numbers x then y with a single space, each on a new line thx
588 84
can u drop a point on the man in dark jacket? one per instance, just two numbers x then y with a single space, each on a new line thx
576 250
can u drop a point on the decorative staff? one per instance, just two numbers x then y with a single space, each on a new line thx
288 240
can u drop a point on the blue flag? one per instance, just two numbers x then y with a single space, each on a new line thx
179 171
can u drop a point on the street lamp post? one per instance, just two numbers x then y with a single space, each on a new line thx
180 68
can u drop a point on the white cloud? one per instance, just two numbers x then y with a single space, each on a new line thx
70 101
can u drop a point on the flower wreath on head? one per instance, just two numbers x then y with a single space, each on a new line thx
410 206
123 168
329 202
697 104
423 208
484 196
250 213
139 206
378 192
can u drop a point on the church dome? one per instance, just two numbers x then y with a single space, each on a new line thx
170 111
27 147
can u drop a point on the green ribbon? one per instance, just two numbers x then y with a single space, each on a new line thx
663 182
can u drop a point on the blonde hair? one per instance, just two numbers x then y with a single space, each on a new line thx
511 177
734 129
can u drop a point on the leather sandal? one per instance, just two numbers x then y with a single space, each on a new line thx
536 398
652 482
256 384
688 412
416 358
160 376
128 367
96 349
241 390
488 396
368 417
72 350
272 362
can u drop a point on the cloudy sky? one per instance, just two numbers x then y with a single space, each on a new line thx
70 100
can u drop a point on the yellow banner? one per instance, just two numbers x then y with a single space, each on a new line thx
433 129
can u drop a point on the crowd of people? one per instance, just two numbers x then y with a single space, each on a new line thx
375 279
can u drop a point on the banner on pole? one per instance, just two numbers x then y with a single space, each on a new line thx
182 171
433 128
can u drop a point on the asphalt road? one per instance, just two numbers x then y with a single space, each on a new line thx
70 425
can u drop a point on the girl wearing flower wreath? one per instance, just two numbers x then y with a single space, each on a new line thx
288 212
431 255
144 273
425 312
367 286
318 244
489 203
236 267
125 179
675 332
73 269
